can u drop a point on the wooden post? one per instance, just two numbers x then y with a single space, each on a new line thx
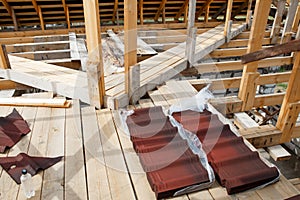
206 14
160 10
115 11
141 9
287 30
249 13
67 13
247 88
228 18
277 21
296 20
130 41
290 107
95 73
4 61
192 32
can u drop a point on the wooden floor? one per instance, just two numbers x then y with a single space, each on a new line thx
99 161
154 71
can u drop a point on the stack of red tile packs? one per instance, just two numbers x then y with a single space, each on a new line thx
235 165
166 158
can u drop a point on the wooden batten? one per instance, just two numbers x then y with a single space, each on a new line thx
95 73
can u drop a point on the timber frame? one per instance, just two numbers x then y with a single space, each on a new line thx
143 19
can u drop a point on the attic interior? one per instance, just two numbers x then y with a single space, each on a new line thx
165 99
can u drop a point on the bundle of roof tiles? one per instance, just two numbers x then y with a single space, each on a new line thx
166 158
235 165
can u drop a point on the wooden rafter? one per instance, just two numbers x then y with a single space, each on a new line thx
11 13
238 10
203 8
115 10
215 16
41 18
66 10
160 9
182 9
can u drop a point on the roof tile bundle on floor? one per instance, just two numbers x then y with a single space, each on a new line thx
12 128
235 165
166 158
14 165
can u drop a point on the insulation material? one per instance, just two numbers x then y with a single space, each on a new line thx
14 165
12 128
171 166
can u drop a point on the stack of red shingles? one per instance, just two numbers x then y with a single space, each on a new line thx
166 158
235 165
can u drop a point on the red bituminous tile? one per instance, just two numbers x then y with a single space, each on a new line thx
12 128
169 163
236 166
14 165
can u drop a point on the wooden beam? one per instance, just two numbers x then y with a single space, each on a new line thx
278 153
11 13
285 48
247 88
290 108
227 27
240 9
4 61
160 9
8 85
36 102
203 8
277 21
182 9
130 42
95 73
116 4
224 6
41 18
296 20
141 10
206 14
249 13
67 14
243 43
287 30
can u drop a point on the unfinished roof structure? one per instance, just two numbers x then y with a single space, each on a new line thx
72 68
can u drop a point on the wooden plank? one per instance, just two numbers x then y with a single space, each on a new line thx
95 71
74 155
296 20
277 21
244 121
4 62
137 174
54 176
96 170
7 84
130 40
36 102
247 89
141 10
243 43
288 25
191 32
277 152
73 46
117 172
285 48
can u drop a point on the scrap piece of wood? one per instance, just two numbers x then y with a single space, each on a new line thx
278 153
37 102
288 47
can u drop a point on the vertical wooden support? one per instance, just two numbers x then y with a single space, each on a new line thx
186 15
95 73
277 21
249 13
14 17
41 18
228 18
115 11
160 10
192 32
296 20
4 61
141 10
290 107
183 8
287 30
67 14
206 14
11 13
247 88
130 41
164 15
